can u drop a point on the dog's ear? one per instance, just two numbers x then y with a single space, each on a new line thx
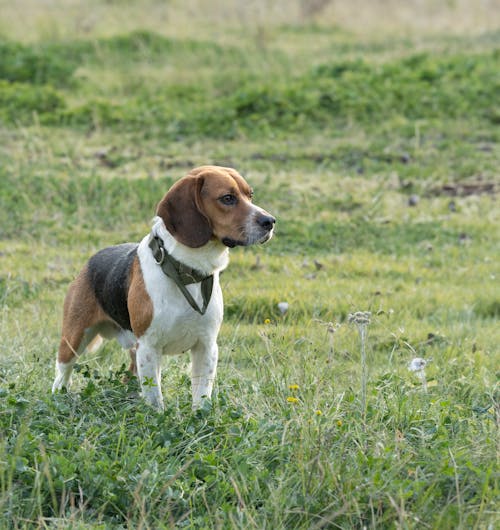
181 214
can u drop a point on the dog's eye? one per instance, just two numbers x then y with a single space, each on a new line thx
228 199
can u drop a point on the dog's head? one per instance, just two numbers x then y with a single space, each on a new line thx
214 202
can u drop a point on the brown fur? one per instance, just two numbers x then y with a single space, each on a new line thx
140 307
181 215
225 222
81 311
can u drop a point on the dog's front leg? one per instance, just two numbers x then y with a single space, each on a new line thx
149 372
204 367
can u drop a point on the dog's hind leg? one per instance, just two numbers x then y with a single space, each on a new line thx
70 348
81 319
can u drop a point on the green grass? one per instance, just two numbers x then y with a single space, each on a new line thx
336 131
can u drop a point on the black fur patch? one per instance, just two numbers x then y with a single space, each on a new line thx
109 272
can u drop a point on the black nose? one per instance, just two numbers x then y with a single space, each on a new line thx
266 221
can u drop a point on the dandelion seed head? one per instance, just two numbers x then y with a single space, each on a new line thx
417 364
283 307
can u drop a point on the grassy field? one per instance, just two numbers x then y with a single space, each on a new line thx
371 130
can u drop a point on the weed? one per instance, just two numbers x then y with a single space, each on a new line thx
362 319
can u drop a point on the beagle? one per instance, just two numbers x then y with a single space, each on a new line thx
162 296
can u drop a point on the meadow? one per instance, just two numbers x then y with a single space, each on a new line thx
372 132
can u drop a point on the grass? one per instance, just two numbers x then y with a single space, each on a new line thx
376 149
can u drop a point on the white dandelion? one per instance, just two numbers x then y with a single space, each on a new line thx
283 307
418 365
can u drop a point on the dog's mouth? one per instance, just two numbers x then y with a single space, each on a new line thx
231 243
265 238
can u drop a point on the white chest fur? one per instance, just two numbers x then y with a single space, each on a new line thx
176 327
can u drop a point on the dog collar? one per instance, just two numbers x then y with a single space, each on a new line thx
182 275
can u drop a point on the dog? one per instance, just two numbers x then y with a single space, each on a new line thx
163 296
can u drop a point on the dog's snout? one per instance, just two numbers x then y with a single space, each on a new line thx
266 221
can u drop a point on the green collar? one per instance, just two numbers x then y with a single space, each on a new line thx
182 275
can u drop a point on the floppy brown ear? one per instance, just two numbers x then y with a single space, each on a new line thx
181 214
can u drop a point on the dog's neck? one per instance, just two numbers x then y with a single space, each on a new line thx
210 258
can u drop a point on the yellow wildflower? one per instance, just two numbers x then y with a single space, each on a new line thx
267 321
319 413
293 387
292 399
339 423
